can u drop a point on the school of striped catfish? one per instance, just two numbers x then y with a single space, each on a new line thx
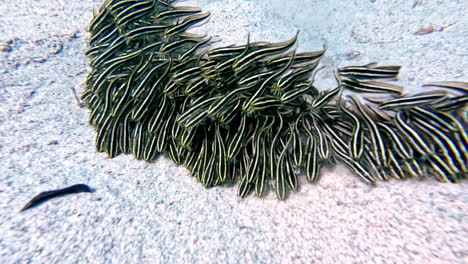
251 114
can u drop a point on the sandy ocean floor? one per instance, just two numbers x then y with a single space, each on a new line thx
154 212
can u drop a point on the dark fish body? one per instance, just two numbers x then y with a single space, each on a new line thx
47 195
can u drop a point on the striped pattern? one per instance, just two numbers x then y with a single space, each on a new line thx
251 114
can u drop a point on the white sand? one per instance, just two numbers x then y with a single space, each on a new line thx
156 213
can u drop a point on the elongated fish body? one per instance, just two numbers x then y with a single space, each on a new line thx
251 113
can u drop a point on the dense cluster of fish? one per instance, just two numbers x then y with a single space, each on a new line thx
251 114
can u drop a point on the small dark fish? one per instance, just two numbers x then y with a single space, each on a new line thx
45 196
